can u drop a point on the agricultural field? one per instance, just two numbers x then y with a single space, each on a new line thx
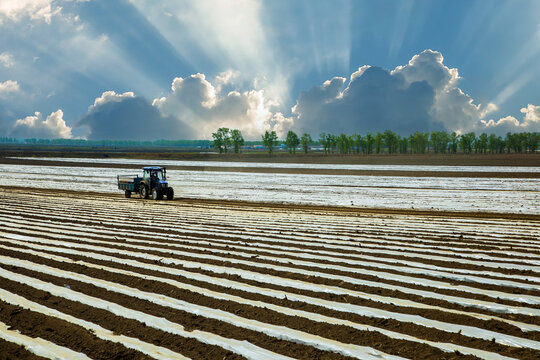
450 269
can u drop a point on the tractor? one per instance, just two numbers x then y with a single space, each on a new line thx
153 182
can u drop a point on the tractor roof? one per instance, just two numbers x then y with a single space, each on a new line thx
153 168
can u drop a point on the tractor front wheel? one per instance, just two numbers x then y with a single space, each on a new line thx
128 193
170 193
156 194
143 192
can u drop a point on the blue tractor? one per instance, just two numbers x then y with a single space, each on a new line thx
153 182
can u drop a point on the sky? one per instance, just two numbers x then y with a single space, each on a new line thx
180 69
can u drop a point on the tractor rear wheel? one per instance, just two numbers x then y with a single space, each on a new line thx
143 192
170 193
156 194
128 193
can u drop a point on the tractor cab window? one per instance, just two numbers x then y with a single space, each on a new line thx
157 174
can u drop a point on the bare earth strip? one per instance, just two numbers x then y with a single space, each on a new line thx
281 170
214 279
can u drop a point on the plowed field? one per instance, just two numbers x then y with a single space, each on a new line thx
94 275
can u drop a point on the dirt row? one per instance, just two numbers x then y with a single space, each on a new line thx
61 332
365 236
166 227
339 333
229 261
224 247
11 351
114 216
260 251
266 207
53 329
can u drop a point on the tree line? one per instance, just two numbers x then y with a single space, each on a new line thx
439 142
107 143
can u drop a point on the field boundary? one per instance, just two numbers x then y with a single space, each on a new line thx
283 170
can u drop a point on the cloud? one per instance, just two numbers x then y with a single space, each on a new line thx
422 95
452 107
530 123
15 10
53 127
6 59
198 103
8 88
374 100
110 96
532 114
126 116
222 35
428 66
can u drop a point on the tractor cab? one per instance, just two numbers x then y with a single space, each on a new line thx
155 183
155 174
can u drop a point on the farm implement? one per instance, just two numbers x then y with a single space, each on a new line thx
153 182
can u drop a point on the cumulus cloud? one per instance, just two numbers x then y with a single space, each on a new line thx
229 33
421 95
15 10
127 116
452 107
53 127
108 97
8 88
6 59
531 122
197 102
373 100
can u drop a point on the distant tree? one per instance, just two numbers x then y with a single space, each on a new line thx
534 141
530 141
454 140
237 140
517 142
391 141
357 143
292 141
419 142
269 140
222 139
439 141
331 140
378 142
342 142
305 140
324 142
501 145
482 142
403 145
466 141
369 143
492 143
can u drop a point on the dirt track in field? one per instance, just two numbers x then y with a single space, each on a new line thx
284 170
403 283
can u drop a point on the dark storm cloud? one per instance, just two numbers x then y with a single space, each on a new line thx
122 117
374 100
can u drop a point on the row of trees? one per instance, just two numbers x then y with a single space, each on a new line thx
107 143
439 142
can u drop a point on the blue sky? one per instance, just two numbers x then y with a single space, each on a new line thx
142 69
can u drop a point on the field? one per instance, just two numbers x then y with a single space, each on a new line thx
90 274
